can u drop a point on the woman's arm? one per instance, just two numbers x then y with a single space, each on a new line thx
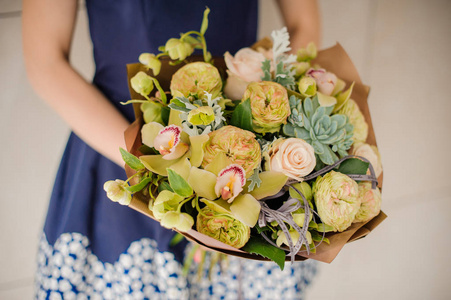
47 31
302 19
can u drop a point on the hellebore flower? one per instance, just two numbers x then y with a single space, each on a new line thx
178 49
243 68
151 62
222 227
180 221
282 238
142 83
357 119
336 198
370 202
166 140
195 79
293 157
115 191
203 115
240 147
307 86
269 105
308 53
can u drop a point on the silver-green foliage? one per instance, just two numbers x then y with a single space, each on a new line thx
328 134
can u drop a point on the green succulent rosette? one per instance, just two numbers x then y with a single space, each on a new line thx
222 227
357 119
336 199
240 147
370 199
269 105
194 79
328 134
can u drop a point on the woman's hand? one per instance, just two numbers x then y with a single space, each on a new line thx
47 31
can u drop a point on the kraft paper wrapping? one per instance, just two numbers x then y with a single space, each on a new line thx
333 59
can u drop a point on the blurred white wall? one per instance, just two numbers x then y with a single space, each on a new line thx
401 49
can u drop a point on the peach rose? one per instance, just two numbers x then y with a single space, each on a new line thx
244 67
371 153
294 157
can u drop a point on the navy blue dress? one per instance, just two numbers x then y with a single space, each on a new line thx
94 248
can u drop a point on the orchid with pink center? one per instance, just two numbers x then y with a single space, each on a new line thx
167 141
325 81
230 182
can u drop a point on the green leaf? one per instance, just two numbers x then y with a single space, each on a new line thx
131 160
266 68
324 228
204 26
139 186
257 245
178 184
353 166
318 237
242 116
164 185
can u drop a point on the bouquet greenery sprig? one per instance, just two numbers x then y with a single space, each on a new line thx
259 161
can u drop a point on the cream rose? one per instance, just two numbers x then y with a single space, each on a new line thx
244 67
371 153
294 157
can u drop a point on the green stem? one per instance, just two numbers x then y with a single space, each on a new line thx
162 93
133 101
179 208
136 174
203 42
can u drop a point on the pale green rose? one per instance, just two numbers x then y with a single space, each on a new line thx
203 115
370 202
269 105
166 201
356 118
307 86
336 198
151 62
115 191
240 146
180 221
222 227
142 83
152 112
178 49
195 79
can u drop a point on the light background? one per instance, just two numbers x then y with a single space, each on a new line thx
401 49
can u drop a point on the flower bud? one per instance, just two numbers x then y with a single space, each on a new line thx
178 49
301 67
152 112
203 115
150 61
115 191
308 53
325 81
142 83
307 86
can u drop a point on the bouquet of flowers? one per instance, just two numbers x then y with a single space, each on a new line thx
263 155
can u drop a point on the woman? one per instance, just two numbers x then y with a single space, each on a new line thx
92 247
